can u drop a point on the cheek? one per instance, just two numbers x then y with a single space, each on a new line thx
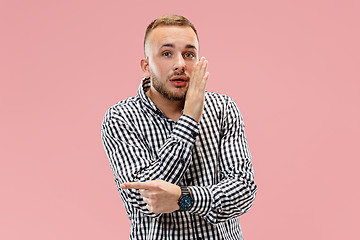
160 67
190 67
154 69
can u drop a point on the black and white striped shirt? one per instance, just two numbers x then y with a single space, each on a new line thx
211 158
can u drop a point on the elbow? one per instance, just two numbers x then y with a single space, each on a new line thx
227 210
248 203
249 198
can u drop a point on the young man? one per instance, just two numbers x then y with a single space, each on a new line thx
179 154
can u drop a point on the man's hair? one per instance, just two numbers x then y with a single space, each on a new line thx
169 20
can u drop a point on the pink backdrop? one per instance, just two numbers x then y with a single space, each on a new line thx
292 67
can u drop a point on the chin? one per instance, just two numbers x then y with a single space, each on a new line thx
176 97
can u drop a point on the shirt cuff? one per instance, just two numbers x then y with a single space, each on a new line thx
202 200
186 129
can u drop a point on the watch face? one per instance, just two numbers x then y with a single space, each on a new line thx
186 202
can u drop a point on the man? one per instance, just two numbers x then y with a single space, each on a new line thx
179 154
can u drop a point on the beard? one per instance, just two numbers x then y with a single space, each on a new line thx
159 87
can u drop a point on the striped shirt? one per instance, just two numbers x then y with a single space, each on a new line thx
212 158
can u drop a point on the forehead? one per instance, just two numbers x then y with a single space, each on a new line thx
179 36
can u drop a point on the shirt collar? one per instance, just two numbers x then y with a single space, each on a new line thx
150 105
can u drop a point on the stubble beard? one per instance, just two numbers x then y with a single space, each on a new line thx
159 87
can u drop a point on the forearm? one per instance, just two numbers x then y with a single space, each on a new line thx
173 158
131 160
228 199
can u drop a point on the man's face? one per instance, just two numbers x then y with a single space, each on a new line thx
171 52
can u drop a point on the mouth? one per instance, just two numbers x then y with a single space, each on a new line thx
179 79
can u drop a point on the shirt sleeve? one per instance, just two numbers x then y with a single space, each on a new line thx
132 159
235 192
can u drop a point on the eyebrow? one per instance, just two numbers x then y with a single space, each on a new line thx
172 46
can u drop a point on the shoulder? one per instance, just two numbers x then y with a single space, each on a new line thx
221 104
217 99
121 110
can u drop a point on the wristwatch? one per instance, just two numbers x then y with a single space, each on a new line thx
185 201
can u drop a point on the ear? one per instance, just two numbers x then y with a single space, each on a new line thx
144 64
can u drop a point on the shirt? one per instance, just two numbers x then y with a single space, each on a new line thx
212 158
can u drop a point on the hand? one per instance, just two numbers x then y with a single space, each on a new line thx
159 195
194 101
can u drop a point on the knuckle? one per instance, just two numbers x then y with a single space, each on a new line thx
149 208
155 209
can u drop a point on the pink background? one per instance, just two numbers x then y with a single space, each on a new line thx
292 67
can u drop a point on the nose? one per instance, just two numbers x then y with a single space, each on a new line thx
179 64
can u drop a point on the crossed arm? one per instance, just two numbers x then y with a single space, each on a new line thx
153 189
159 196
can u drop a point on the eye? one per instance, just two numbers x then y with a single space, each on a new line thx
189 55
166 54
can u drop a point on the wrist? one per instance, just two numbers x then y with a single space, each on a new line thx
192 115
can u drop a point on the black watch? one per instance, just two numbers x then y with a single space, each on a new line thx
185 201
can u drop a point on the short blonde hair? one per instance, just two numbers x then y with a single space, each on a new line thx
169 20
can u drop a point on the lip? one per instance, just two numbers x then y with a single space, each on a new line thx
179 83
182 77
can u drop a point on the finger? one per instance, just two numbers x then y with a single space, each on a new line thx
199 64
146 200
195 71
201 68
196 74
134 185
202 62
204 67
149 207
148 204
144 193
205 78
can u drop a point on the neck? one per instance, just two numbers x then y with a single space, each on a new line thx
171 108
